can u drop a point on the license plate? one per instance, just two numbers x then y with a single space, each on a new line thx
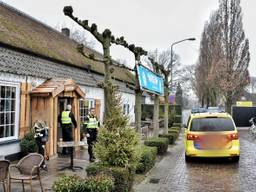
212 142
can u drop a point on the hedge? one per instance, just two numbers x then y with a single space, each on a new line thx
147 158
175 133
160 143
123 177
178 129
169 136
177 119
99 183
176 125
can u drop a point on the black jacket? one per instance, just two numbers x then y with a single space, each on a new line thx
71 115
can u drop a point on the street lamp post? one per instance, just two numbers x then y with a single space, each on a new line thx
170 66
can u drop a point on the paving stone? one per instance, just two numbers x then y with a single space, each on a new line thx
204 175
53 173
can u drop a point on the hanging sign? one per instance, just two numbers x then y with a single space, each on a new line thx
150 81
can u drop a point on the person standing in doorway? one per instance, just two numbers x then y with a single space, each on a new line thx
91 126
67 120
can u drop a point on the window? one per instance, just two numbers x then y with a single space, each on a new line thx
85 106
126 109
9 111
212 124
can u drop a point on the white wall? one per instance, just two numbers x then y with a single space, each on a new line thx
128 98
9 149
20 78
98 93
148 100
12 148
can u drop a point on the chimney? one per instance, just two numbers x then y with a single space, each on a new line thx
65 31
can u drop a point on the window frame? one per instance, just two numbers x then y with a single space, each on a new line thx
91 104
16 111
126 109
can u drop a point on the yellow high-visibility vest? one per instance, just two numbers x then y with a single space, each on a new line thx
92 123
65 119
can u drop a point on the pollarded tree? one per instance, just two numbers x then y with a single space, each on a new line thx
138 52
116 142
156 68
163 61
106 39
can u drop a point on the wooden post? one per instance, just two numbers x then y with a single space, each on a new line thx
24 109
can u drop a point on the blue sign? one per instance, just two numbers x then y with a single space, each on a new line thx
150 81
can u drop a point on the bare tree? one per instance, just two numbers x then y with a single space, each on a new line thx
106 39
77 35
222 69
235 50
137 52
163 60
81 37
210 53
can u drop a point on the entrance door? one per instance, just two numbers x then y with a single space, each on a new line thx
62 105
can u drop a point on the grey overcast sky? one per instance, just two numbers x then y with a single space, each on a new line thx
148 23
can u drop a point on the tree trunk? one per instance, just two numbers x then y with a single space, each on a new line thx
166 104
138 95
207 100
107 77
228 102
156 116
202 101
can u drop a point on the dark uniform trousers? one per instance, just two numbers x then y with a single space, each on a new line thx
67 136
91 140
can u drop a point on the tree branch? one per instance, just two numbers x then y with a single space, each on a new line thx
68 11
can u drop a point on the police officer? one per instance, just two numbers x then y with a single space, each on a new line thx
91 126
66 119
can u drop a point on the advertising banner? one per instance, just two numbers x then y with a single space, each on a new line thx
150 81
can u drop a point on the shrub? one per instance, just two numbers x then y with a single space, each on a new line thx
178 129
65 184
147 158
99 183
117 149
160 143
169 136
176 125
175 133
177 109
116 142
123 177
174 130
177 119
28 144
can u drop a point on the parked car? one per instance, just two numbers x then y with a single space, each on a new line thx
215 110
198 110
211 135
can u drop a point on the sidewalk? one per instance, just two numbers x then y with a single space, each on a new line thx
159 173
48 178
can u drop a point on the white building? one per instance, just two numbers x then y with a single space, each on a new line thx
31 53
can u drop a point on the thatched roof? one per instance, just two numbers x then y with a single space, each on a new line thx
22 31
